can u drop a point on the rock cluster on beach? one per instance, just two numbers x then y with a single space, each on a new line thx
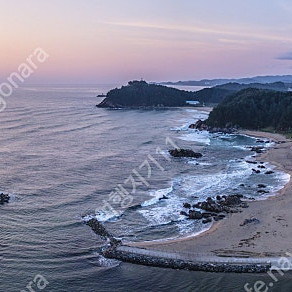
184 153
214 209
4 198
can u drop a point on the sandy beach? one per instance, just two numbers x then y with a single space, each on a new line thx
271 237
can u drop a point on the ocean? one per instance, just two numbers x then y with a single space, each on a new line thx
63 161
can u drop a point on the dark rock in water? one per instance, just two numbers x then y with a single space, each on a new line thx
251 220
218 198
260 141
187 205
261 166
195 215
4 198
208 220
261 186
256 171
269 172
163 198
257 149
184 153
242 185
251 162
183 213
263 191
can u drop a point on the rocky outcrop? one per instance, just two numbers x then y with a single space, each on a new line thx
4 198
184 153
202 126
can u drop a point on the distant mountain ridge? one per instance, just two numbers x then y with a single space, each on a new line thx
220 81
217 93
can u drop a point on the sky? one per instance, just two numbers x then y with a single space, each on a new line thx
114 41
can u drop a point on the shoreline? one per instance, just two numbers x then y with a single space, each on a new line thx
270 238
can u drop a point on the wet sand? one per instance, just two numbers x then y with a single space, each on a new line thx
271 237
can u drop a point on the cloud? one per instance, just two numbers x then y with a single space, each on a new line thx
236 33
286 56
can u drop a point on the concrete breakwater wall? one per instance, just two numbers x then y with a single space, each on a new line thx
175 261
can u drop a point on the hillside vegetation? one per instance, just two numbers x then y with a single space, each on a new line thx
254 109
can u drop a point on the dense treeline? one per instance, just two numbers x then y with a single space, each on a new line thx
142 94
254 109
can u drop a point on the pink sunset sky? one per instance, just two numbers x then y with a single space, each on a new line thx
111 41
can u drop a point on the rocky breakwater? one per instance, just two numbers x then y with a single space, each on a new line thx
4 198
214 209
99 229
173 261
202 126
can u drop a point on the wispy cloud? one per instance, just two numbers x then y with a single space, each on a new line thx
237 33
286 56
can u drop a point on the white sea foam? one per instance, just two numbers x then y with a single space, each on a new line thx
202 137
157 196
283 178
105 262
164 213
102 216
199 163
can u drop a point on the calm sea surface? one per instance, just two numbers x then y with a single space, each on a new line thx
62 159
